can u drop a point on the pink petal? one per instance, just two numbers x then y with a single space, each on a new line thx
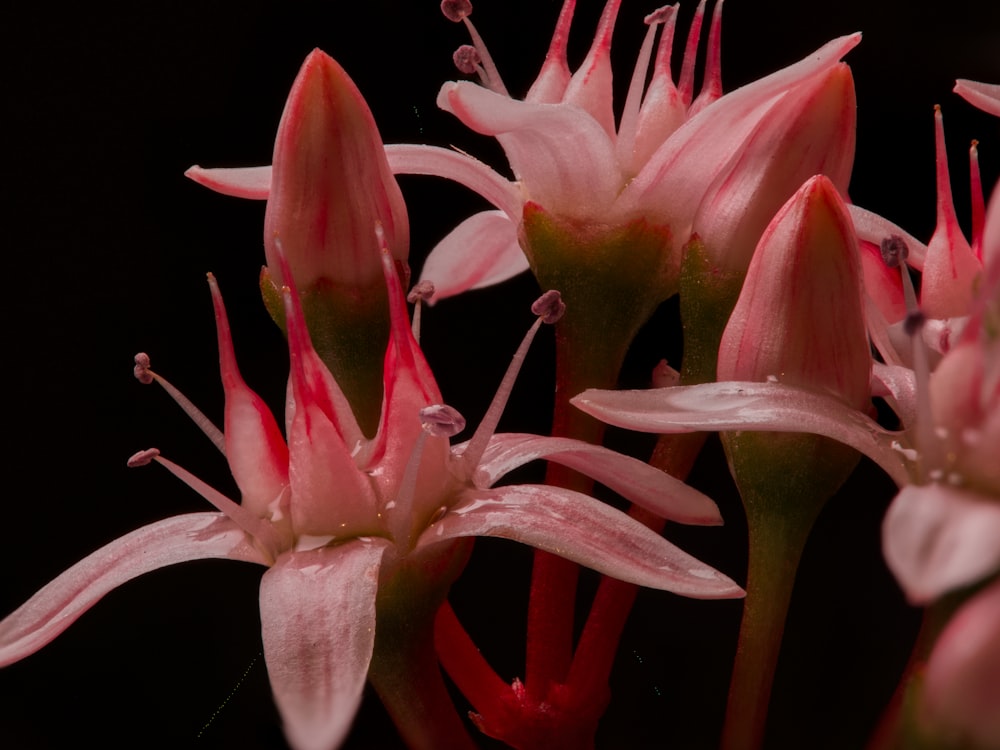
562 156
196 536
937 538
634 480
317 615
583 530
985 96
962 679
461 168
481 251
676 177
243 182
765 407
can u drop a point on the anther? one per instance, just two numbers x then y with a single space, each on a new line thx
549 307
467 59
141 370
456 10
914 321
421 292
142 458
441 420
894 250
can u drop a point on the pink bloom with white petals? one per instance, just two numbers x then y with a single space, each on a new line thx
334 516
668 148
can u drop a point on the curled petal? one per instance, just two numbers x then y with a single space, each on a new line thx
765 407
466 170
317 615
583 530
558 151
240 182
634 480
196 536
985 96
937 538
481 251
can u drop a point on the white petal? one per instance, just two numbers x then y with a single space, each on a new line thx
937 538
762 407
196 536
481 251
583 530
562 156
634 480
317 614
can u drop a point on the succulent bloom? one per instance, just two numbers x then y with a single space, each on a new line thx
658 164
335 516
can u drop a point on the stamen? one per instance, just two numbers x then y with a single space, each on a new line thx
420 293
459 11
549 307
259 528
468 61
441 420
145 375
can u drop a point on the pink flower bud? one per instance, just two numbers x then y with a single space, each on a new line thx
799 317
330 184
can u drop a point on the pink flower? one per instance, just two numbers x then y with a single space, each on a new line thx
334 516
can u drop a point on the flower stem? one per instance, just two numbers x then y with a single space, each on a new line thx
776 542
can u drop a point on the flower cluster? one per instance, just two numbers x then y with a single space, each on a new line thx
800 314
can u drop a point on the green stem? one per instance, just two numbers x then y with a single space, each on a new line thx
776 543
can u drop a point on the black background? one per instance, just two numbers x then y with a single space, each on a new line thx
106 245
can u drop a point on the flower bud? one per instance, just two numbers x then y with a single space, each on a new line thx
330 185
799 317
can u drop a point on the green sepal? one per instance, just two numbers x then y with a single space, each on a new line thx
708 296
